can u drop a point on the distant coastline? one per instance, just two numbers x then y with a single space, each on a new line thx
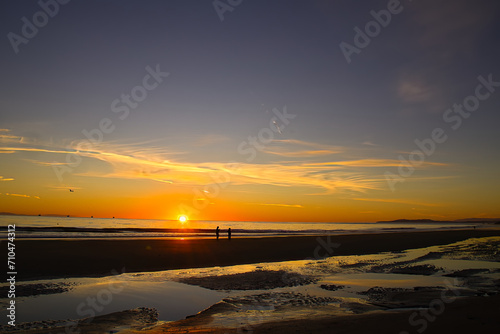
21 214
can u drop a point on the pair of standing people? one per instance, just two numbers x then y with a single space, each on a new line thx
217 231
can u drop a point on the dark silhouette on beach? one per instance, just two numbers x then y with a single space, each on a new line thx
229 233
217 232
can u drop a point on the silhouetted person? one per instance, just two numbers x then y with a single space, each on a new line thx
229 233
217 232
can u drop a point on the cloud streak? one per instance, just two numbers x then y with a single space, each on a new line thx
372 163
279 205
159 165
22 195
299 148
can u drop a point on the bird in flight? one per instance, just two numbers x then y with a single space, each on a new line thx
277 127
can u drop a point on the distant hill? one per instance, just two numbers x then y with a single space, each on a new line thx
10 214
20 214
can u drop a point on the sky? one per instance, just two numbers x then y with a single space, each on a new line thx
327 111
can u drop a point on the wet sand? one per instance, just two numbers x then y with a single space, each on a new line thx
465 315
40 259
323 296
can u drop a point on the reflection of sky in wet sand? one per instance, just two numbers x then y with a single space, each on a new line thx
172 300
360 282
452 264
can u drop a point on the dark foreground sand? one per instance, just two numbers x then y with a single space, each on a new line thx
465 315
37 259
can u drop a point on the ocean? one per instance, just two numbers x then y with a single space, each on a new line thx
93 228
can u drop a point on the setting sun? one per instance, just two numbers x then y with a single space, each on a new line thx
183 219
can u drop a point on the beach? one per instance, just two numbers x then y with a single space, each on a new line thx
74 258
396 282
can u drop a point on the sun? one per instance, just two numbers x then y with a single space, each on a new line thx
183 219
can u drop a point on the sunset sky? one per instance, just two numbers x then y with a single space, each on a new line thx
251 112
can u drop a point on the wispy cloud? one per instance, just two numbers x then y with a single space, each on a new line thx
278 204
301 175
158 164
372 163
18 195
6 179
10 138
299 148
32 149
164 181
414 90
310 144
22 195
45 163
170 171
296 154
132 162
65 188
